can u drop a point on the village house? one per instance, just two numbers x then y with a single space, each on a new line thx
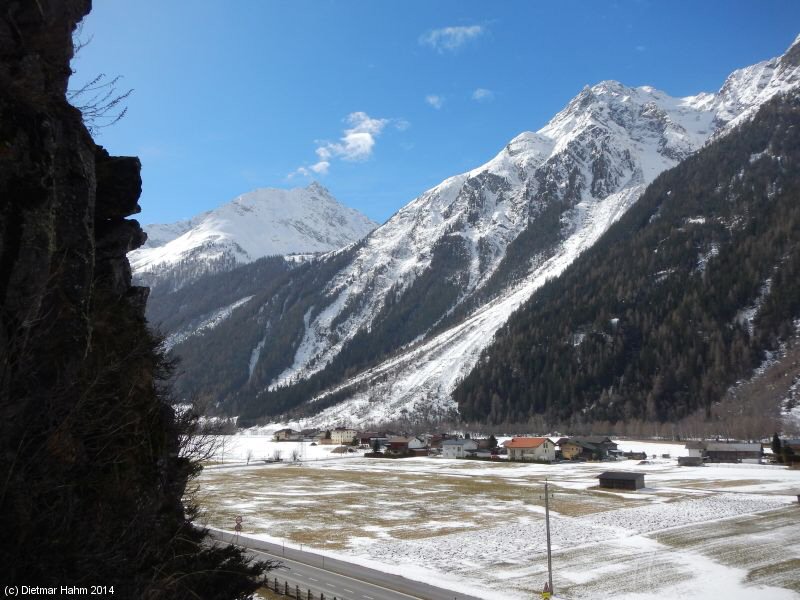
417 444
365 438
407 446
343 436
428 438
311 435
397 445
530 449
458 448
604 444
286 435
435 440
576 450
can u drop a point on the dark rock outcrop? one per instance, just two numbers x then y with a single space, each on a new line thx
91 470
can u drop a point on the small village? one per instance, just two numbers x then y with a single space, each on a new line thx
532 449
396 497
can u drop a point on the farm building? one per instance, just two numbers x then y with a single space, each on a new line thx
733 452
725 452
695 449
621 480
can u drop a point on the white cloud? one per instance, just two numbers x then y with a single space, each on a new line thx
450 39
435 101
356 144
321 167
483 95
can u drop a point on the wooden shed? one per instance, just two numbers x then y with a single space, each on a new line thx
621 480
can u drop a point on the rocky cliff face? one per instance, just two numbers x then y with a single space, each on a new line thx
91 480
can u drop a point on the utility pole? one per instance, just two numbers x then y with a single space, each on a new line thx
547 528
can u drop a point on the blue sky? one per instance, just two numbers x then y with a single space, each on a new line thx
380 100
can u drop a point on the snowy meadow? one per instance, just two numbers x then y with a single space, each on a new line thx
715 532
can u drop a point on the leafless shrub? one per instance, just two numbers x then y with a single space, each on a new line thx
100 100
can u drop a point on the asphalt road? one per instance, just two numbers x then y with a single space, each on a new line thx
337 578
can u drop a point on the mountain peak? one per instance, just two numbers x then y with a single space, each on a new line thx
317 188
609 85
791 58
262 222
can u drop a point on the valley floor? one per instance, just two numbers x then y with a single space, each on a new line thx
715 532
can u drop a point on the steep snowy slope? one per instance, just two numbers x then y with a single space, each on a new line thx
264 222
406 316
681 299
608 140
620 139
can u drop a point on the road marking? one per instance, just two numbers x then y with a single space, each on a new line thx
348 591
312 579
368 597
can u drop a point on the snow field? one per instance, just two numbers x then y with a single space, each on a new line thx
478 526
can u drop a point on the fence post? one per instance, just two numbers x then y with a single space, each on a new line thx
308 596
297 592
276 585
285 588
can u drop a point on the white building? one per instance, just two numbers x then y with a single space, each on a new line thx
531 449
343 436
458 448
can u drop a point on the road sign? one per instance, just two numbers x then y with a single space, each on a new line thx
239 519
546 593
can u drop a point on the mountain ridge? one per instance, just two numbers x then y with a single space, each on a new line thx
263 222
460 258
682 299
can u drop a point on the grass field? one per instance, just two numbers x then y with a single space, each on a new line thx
688 528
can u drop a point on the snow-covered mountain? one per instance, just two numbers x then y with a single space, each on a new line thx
264 222
406 317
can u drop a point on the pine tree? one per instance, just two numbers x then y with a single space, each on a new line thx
776 447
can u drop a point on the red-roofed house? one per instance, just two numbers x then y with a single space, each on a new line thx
531 449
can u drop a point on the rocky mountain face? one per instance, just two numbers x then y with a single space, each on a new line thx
89 449
405 317
694 288
264 222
